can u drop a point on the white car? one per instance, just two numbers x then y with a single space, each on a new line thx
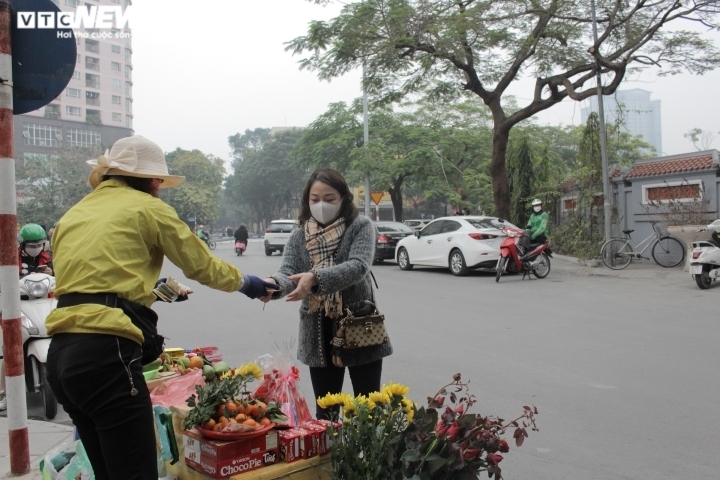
277 234
458 243
417 224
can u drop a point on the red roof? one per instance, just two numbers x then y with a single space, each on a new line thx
665 167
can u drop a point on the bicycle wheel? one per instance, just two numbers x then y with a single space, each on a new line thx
616 254
668 252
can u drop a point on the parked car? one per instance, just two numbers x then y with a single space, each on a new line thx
458 243
388 236
277 234
417 224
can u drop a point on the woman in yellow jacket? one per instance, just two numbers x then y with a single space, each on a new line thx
108 253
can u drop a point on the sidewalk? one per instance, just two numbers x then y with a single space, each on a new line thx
43 437
572 266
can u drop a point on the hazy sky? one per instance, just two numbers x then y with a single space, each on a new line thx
206 70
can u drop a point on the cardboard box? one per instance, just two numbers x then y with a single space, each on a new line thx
323 439
327 439
236 466
298 444
217 451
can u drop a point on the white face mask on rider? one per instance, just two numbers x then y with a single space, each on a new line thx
325 213
537 208
34 251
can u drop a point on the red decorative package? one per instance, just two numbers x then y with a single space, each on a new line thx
280 385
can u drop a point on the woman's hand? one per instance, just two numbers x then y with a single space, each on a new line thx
268 297
305 282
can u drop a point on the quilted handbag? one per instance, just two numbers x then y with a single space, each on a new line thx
364 327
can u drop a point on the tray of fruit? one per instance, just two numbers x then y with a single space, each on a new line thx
233 435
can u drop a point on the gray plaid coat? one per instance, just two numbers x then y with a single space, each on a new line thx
351 276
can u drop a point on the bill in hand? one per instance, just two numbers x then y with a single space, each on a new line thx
170 290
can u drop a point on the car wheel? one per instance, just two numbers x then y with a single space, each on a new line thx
268 252
457 263
404 260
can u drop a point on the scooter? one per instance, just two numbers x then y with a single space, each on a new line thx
240 248
37 299
705 265
536 260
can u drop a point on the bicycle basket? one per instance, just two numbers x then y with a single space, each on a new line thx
662 230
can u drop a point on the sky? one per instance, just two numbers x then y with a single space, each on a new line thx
203 71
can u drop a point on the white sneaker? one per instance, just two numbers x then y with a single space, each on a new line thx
3 401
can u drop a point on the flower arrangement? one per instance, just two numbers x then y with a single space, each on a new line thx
385 435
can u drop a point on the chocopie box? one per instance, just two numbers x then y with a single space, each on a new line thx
328 438
323 440
236 466
217 451
298 444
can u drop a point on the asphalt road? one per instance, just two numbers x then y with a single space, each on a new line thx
624 372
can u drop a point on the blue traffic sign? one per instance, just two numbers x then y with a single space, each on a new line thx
44 59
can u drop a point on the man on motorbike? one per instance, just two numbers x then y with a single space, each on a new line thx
538 223
202 234
241 234
32 255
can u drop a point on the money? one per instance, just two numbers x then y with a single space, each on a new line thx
170 290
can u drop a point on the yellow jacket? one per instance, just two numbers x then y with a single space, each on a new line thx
114 241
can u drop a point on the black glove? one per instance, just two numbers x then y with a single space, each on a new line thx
180 298
255 287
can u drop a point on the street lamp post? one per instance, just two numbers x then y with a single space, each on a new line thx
366 137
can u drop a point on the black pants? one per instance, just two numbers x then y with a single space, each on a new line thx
91 382
365 378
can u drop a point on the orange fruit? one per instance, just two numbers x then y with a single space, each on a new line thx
258 410
232 420
218 427
196 362
209 424
232 408
220 412
224 421
250 422
241 417
265 421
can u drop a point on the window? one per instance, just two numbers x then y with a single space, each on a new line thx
83 138
128 89
115 48
449 226
116 82
52 111
116 100
128 105
128 121
489 223
73 92
92 63
115 66
92 46
76 75
92 81
79 59
569 204
432 229
117 117
37 157
281 227
41 135
92 98
128 72
392 227
687 191
128 55
93 117
73 111
71 3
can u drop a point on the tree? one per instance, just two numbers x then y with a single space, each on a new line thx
701 139
482 47
265 179
49 186
199 195
522 180
251 140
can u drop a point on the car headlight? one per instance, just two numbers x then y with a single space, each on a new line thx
37 289
28 325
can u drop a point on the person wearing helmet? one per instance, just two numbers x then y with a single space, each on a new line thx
538 223
32 255
241 234
202 234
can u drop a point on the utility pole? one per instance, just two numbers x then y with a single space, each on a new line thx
607 191
366 139
10 306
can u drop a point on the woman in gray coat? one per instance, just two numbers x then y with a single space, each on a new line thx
326 266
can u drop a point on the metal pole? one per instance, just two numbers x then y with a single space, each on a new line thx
366 139
607 192
10 298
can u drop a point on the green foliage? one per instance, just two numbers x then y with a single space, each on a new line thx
265 177
522 181
49 187
199 195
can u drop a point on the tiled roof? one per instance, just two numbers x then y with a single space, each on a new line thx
665 167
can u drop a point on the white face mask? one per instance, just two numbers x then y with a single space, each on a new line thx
537 208
34 251
325 213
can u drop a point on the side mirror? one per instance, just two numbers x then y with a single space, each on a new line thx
417 234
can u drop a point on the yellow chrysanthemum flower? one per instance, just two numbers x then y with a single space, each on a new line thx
249 369
408 404
329 400
225 375
395 389
380 398
410 416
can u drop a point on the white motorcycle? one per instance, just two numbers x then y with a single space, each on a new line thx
705 265
36 302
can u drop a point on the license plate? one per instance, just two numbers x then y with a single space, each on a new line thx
695 269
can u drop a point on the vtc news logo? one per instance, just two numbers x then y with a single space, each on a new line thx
94 17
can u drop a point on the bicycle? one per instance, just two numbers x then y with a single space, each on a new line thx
667 251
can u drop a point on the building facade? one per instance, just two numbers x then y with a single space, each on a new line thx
635 111
96 108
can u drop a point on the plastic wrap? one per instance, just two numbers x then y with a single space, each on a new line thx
67 463
175 392
280 385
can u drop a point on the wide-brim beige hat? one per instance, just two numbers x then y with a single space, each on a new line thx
134 156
